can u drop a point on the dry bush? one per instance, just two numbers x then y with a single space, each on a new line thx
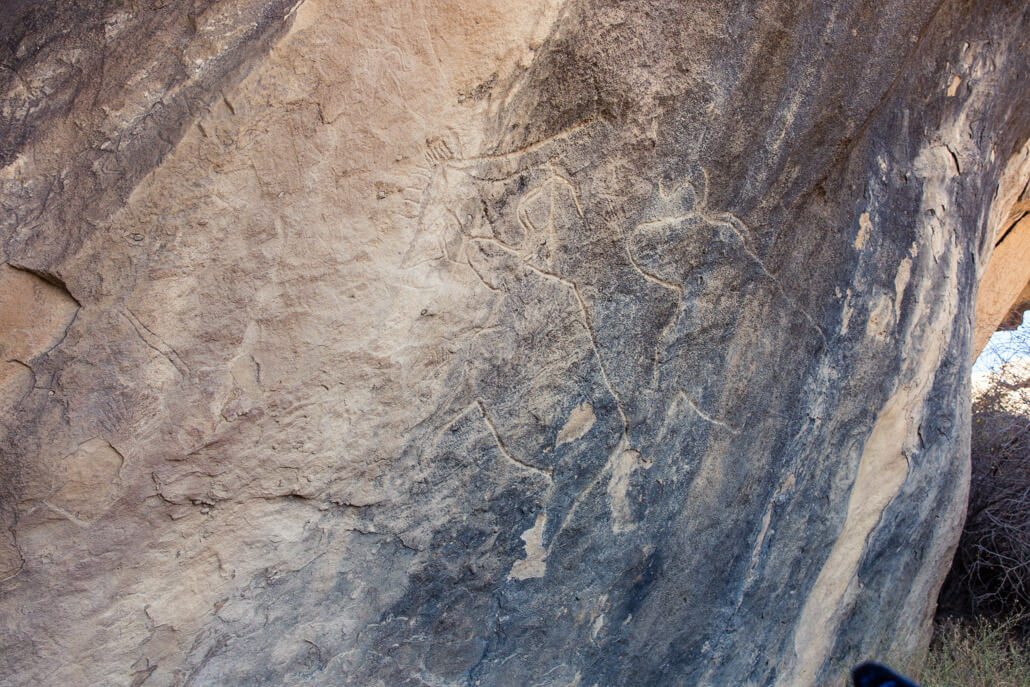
991 572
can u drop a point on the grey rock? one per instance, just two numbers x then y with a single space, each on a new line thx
584 343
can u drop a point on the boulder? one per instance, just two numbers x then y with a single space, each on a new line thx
576 342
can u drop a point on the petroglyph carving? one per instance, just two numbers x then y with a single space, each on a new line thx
701 240
478 408
500 214
586 433
453 204
443 148
676 216
704 255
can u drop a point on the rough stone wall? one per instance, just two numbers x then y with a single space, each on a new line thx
1004 293
1014 317
433 343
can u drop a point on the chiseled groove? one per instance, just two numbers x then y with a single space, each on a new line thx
705 416
586 321
732 220
480 406
606 471
546 474
593 342
678 288
672 286
160 346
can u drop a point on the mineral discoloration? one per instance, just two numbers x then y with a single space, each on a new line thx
580 421
535 563
471 343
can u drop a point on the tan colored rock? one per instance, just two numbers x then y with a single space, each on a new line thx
1014 318
87 482
1005 286
488 343
34 316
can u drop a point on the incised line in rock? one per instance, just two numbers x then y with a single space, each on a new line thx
733 221
678 288
575 128
607 471
743 232
157 344
705 416
480 276
586 319
480 406
738 227
568 183
546 474
593 342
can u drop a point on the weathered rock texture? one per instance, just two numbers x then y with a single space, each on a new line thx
1004 293
1014 317
437 343
1004 290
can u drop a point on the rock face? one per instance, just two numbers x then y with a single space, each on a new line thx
1004 293
411 343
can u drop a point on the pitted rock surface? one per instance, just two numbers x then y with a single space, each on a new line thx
485 343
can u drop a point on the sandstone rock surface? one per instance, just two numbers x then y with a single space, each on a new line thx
1004 293
568 342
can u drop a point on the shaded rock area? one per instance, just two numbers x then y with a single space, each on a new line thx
485 343
1004 292
1014 317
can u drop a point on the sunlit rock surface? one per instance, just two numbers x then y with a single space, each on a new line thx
490 343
